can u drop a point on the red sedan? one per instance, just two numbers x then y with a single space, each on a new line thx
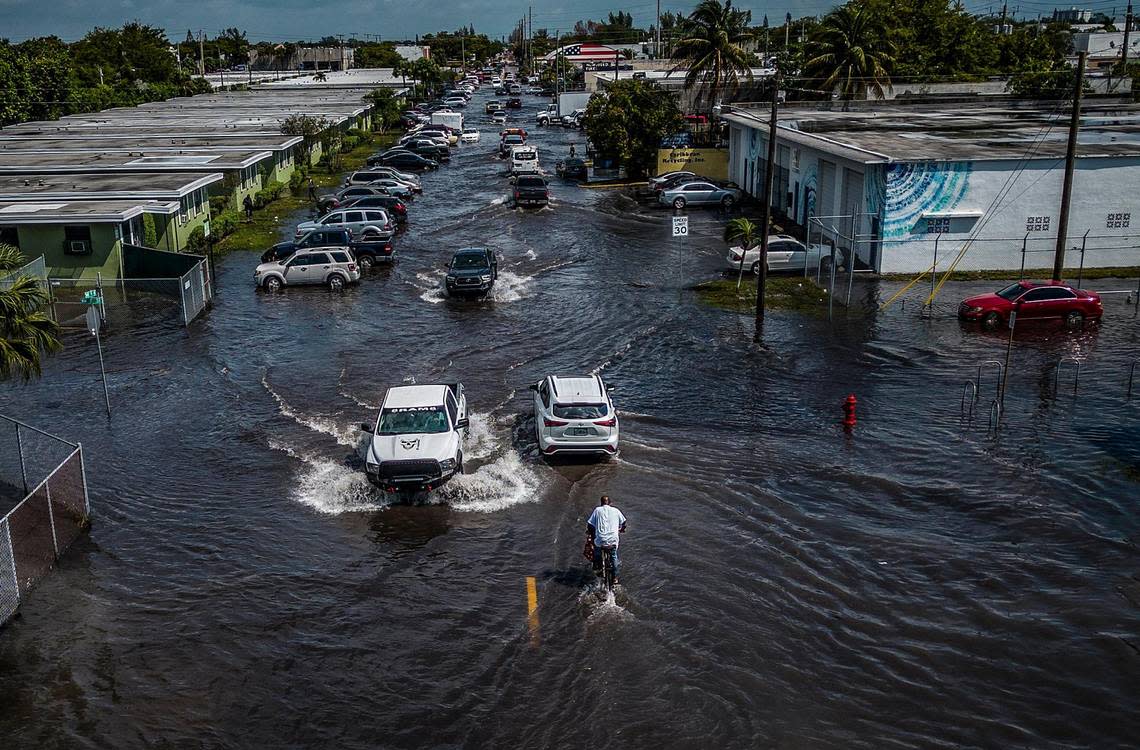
1049 301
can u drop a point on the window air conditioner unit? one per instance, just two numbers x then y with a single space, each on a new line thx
78 247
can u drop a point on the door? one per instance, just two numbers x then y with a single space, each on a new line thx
699 192
784 255
1045 302
825 191
354 221
301 270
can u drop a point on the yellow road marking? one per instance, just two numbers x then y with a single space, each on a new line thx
532 608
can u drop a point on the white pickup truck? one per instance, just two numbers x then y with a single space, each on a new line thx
416 442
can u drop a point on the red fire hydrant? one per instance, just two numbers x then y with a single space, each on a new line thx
849 411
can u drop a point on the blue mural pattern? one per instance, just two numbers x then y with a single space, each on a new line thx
913 189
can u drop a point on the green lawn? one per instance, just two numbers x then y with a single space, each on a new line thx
782 293
265 228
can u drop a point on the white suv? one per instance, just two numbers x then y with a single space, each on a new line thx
416 442
574 415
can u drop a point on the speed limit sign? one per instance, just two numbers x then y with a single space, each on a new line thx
680 226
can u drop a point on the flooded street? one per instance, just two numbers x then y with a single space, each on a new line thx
917 583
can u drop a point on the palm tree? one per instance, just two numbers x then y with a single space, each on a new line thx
26 333
711 46
748 234
852 53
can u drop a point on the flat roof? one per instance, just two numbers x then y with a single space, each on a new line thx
965 131
161 186
20 162
72 141
86 212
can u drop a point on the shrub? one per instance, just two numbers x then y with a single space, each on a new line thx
349 143
150 233
196 242
218 203
224 224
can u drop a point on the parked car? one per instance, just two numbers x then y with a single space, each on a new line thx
785 253
416 442
1033 302
699 193
472 270
574 415
572 169
508 142
678 180
334 267
395 207
531 190
429 149
661 180
333 201
408 161
380 172
470 135
372 222
367 252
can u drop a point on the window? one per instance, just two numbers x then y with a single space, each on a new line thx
336 218
544 393
1037 224
376 215
1118 221
1047 293
339 257
182 210
301 260
580 411
353 217
696 187
452 408
410 420
317 259
939 225
77 240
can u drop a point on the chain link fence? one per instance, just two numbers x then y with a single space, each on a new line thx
197 291
37 269
44 506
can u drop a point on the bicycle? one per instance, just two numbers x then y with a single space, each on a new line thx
608 575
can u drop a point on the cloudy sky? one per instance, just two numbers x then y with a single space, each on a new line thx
276 20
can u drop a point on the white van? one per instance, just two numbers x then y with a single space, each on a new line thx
524 160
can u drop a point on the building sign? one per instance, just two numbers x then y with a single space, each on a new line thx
709 162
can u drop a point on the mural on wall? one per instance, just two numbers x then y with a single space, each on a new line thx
807 187
913 189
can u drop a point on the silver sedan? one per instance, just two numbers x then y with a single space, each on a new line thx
699 194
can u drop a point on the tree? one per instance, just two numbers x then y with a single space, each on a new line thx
383 55
748 234
852 53
386 106
26 332
309 128
711 47
629 121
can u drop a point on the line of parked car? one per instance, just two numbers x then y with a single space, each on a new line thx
682 188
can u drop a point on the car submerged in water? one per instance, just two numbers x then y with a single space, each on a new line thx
416 442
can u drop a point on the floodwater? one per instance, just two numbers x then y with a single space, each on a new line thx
915 583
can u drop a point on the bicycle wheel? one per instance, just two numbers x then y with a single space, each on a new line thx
608 568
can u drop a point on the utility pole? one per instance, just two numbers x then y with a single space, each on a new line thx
762 265
1070 162
530 34
657 28
1001 27
1124 48
201 54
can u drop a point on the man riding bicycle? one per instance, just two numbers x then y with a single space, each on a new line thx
603 527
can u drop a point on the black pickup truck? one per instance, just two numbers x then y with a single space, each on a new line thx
368 253
531 190
472 270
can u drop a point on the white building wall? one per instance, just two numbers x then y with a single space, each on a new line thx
998 206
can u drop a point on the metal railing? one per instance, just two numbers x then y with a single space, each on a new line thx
181 298
197 290
51 514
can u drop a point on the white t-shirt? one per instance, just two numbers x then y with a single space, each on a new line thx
607 521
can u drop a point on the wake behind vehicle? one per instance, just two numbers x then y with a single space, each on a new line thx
574 414
472 270
1051 300
334 267
416 442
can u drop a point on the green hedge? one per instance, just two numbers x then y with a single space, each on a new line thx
269 193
